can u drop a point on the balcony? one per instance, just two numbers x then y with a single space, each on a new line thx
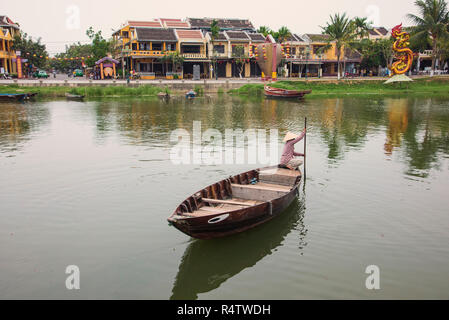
150 53
7 54
426 54
194 55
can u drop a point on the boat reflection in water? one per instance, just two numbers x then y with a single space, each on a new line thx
206 264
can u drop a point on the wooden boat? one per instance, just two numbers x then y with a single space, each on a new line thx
237 204
70 96
202 269
13 96
283 93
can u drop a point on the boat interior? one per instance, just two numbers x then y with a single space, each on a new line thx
240 191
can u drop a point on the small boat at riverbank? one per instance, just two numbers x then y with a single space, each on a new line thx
191 94
16 96
238 203
77 97
284 93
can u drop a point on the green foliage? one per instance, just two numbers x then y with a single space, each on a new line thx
198 89
354 87
239 57
282 34
342 31
264 30
375 53
94 91
34 51
431 23
361 26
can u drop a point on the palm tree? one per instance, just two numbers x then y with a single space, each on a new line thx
432 22
340 31
361 26
214 32
264 30
283 34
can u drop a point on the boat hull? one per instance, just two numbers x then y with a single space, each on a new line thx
13 97
236 221
271 92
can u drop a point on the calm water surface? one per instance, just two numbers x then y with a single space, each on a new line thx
91 184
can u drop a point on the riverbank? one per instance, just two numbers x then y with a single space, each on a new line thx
319 87
436 85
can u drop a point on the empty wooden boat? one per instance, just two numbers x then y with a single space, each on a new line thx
283 93
13 96
237 204
70 96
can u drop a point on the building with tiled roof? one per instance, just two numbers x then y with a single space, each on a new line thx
378 33
237 36
145 24
256 37
223 24
175 23
8 59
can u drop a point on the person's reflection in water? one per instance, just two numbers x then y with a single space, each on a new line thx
206 264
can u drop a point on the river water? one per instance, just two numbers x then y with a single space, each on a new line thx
91 184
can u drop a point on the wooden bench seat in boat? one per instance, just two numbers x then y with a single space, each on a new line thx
260 191
280 176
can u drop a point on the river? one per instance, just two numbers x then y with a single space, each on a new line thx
91 184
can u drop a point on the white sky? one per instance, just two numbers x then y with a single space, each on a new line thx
61 22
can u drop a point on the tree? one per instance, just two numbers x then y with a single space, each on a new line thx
431 22
214 32
282 35
240 58
264 30
361 26
100 47
34 51
341 32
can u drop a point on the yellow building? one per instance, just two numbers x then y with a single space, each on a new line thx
143 44
223 47
304 55
8 30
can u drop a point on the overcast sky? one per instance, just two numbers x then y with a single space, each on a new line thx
61 22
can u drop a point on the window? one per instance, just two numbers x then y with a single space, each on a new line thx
238 50
191 49
171 46
142 67
219 49
157 46
125 34
144 46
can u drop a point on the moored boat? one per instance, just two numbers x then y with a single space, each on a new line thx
237 204
70 96
190 94
13 96
284 93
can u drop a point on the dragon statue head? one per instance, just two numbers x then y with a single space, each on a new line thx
396 30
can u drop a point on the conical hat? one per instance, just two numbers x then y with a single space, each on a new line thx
290 136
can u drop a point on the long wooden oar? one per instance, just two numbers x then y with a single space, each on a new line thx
305 143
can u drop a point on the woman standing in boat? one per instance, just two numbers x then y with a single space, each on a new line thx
288 155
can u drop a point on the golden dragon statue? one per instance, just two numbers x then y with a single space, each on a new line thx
403 54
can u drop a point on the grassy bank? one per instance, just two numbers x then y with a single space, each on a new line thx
95 91
354 87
